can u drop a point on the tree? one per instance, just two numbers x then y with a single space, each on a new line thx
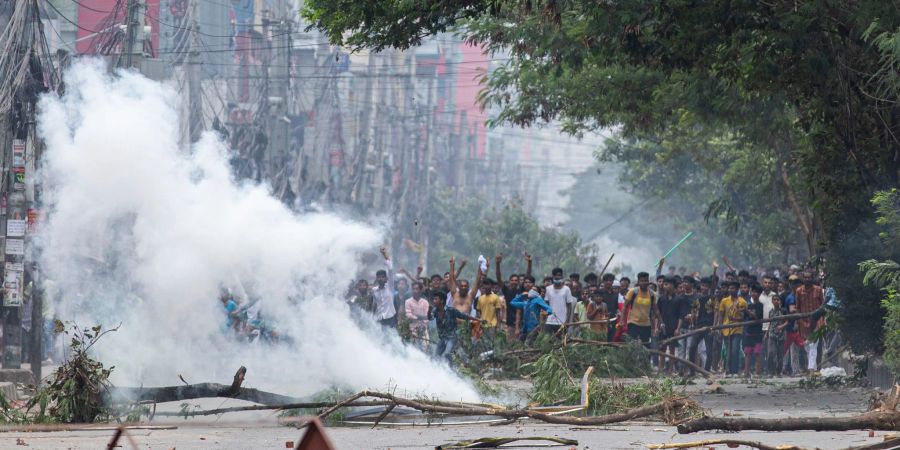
798 81
885 274
468 230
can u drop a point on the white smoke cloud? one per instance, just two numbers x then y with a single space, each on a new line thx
140 232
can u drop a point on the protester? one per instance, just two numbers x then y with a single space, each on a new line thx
532 304
641 310
670 325
363 300
491 308
752 340
460 293
809 298
608 298
417 312
510 290
685 301
793 340
383 294
731 309
561 300
703 314
775 339
446 325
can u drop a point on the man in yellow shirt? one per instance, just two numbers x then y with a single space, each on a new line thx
641 310
490 306
731 310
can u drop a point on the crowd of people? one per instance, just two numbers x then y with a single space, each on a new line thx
695 321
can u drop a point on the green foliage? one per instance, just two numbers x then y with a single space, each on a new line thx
734 202
465 227
798 98
554 383
887 206
76 389
891 304
885 274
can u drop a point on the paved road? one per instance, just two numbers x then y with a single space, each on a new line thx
260 431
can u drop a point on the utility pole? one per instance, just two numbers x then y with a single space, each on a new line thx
131 29
366 130
194 116
279 108
19 126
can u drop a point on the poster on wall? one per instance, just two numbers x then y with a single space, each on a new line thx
15 247
13 281
18 153
33 217
16 228
19 178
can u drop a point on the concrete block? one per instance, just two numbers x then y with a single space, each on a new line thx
23 376
8 389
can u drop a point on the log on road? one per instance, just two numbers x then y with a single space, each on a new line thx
119 395
875 420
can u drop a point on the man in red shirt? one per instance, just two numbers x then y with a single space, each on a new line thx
809 298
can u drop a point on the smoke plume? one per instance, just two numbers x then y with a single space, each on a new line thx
142 233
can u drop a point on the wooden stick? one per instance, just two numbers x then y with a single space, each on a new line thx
740 324
728 442
603 271
384 414
875 420
703 371
212 412
672 404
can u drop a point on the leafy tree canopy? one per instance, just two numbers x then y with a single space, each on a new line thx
781 103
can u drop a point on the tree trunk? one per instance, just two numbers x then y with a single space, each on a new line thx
192 391
876 420
805 217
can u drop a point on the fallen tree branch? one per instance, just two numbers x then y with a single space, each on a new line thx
118 395
703 371
670 408
497 442
309 405
383 415
875 420
728 442
741 324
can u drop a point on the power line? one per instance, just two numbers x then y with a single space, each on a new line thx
89 8
58 12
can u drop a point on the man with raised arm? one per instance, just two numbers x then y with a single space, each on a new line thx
459 289
510 289
383 294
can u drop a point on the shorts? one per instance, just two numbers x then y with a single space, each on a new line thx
755 349
793 337
638 332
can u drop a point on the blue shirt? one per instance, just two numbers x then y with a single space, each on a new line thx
790 300
230 307
531 316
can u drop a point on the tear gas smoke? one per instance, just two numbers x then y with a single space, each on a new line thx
141 232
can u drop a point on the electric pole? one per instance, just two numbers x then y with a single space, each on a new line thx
131 29
194 115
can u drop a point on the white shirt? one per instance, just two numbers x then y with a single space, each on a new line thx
766 300
384 297
558 299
